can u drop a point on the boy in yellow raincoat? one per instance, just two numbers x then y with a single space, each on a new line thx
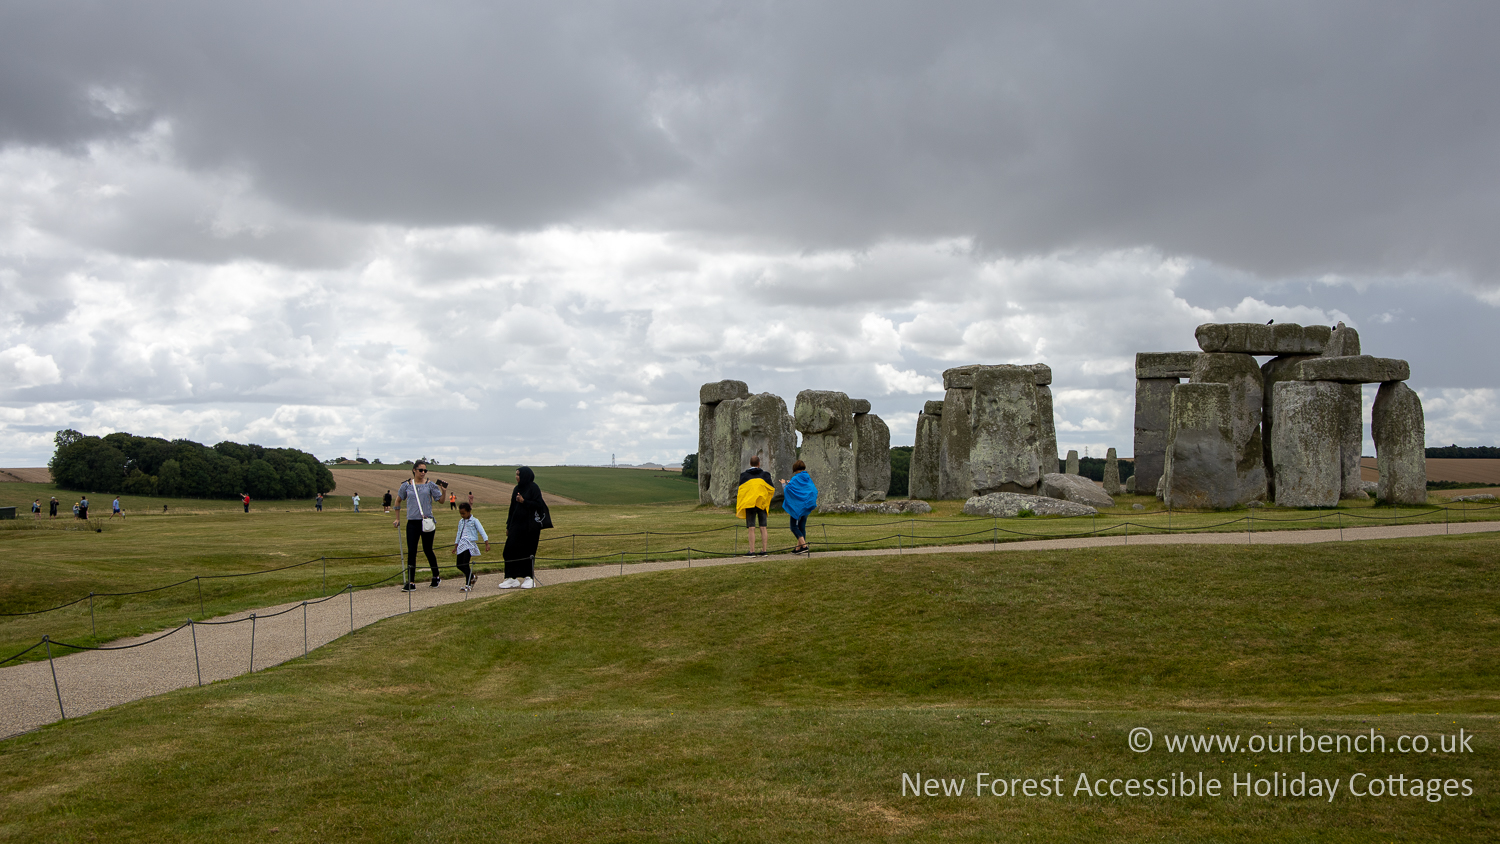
752 503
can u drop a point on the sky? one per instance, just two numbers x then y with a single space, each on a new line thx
497 233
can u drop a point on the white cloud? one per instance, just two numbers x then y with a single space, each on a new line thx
531 404
20 366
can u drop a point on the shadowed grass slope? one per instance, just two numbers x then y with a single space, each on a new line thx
780 702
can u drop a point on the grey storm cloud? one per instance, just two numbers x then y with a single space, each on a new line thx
1278 138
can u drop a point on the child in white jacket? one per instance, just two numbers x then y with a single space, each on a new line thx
466 543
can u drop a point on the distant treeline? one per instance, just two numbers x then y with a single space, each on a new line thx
1093 468
124 463
1464 452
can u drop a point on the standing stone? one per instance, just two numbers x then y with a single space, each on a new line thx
1400 433
1072 463
872 457
1153 416
958 435
1273 372
922 477
1047 437
1246 401
1199 470
826 420
1003 457
766 431
727 444
1111 473
709 397
1306 447
1344 342
1130 485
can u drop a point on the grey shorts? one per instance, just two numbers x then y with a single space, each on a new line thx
753 513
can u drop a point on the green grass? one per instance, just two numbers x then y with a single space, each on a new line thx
590 484
784 701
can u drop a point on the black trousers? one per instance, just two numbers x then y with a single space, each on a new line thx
520 548
413 531
463 565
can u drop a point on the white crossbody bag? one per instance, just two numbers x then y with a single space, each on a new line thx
429 524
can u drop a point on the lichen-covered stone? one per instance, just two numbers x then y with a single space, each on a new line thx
1400 432
1006 428
922 475
1354 369
872 457
1256 339
1043 373
1273 372
1130 486
1246 401
1199 470
1070 465
859 405
1007 505
1153 415
725 476
1351 439
826 420
1306 443
957 439
766 431
933 408
1111 473
1342 342
705 452
961 377
1046 444
1075 488
723 391
885 508
1172 365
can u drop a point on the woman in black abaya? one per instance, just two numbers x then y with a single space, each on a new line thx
523 530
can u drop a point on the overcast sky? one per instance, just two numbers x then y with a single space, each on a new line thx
502 232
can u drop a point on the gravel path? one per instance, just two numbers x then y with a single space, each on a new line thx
93 680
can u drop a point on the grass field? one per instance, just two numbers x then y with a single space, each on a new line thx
47 563
785 701
591 484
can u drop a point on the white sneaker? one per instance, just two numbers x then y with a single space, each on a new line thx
509 583
528 583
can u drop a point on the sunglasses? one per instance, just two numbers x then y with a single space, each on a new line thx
423 471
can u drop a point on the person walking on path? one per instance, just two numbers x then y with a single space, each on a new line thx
318 502
356 502
386 502
466 543
245 497
524 524
752 501
52 508
799 496
114 508
419 495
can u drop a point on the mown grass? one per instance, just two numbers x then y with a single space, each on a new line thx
784 701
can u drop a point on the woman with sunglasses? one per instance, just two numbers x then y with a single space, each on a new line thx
419 495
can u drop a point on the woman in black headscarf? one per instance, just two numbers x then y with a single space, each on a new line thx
523 530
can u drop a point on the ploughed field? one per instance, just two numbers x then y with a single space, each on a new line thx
809 700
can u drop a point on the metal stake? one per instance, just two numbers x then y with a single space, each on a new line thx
55 686
92 629
350 587
252 643
197 666
325 576
304 628
199 581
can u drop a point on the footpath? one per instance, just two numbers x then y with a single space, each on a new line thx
88 681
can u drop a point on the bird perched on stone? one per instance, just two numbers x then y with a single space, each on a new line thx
1269 321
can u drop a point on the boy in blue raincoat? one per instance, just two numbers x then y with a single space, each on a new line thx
799 498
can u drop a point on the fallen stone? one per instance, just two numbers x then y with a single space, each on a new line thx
1007 505
1306 449
1255 339
1369 487
1137 506
1003 455
1111 473
887 508
723 391
1199 471
1164 364
1483 496
1399 430
1355 369
1075 488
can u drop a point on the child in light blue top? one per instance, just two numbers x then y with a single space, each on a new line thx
466 542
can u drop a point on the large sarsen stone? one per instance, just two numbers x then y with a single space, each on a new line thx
1306 447
1400 431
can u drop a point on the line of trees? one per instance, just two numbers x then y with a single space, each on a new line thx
123 463
1461 452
